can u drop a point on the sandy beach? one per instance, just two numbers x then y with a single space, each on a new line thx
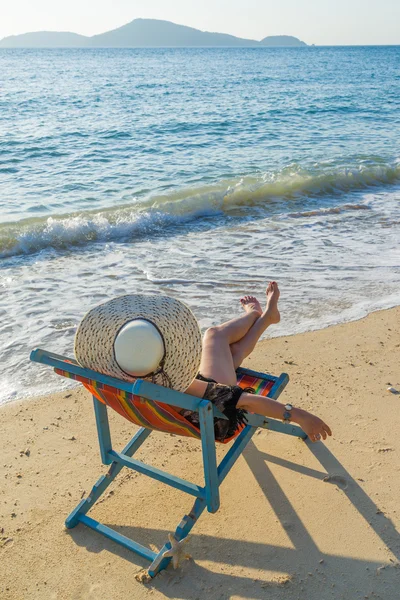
297 520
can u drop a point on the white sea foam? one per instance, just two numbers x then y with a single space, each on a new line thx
158 213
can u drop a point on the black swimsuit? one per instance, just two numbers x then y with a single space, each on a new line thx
225 398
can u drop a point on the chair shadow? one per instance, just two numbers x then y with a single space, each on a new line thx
379 522
299 562
334 474
197 581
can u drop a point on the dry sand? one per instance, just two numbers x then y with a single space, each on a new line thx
285 529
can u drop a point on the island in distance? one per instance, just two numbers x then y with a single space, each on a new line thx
142 33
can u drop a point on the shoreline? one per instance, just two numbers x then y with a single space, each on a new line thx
281 530
33 396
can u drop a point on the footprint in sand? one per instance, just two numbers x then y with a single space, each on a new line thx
338 479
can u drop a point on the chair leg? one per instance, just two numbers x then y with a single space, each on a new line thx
188 521
185 526
234 452
206 418
102 484
98 489
103 430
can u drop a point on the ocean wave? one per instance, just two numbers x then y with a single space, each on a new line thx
78 230
156 213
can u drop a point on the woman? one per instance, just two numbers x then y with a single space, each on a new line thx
158 338
224 349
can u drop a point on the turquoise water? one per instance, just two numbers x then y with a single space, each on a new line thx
200 173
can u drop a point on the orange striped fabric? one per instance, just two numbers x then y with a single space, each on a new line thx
156 415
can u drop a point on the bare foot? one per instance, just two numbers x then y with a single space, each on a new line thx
250 304
271 311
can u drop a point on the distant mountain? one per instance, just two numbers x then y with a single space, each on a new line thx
45 39
151 32
142 33
282 40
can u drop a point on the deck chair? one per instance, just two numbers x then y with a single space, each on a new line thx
154 407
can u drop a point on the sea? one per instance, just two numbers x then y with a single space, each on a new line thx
201 173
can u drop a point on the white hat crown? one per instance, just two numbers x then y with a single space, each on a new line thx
139 348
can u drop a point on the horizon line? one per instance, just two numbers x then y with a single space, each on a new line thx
211 47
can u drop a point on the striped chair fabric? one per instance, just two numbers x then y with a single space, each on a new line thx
156 415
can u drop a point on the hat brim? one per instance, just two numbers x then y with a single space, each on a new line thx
94 339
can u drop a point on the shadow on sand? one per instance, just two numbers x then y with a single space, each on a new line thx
314 571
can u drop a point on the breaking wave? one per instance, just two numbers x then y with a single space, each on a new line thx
154 214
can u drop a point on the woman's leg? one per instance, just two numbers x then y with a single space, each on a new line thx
226 346
216 360
244 347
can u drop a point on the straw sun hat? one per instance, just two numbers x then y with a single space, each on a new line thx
136 336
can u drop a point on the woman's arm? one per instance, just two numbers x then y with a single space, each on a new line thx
261 405
313 426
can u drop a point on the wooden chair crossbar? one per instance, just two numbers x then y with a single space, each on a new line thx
207 496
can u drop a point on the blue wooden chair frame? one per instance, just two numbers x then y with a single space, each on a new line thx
207 496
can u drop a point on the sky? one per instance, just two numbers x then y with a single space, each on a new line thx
320 22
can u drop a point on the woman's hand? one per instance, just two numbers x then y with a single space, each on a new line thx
313 426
